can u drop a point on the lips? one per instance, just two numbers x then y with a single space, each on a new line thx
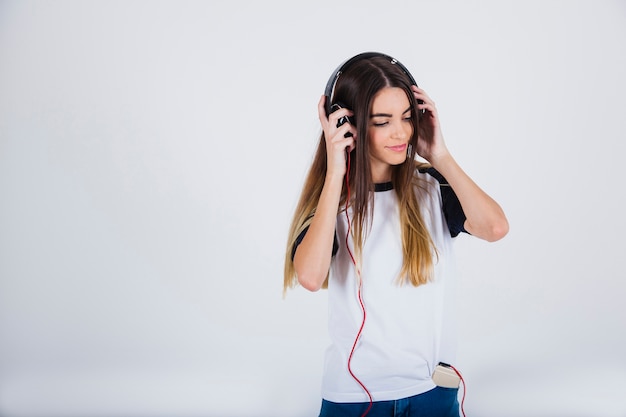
397 148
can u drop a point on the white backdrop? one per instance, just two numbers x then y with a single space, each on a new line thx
151 155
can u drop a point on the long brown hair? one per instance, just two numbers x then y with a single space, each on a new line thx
356 89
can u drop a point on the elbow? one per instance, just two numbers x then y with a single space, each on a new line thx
491 232
311 276
498 231
310 283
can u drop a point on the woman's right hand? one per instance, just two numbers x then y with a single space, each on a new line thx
336 141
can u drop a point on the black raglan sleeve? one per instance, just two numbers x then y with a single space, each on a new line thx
452 210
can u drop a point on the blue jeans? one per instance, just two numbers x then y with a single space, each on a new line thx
438 402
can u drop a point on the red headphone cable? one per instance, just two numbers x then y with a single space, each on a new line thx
360 297
464 388
358 272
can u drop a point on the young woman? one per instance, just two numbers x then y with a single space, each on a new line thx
375 226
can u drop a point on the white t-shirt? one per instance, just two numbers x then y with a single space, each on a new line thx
408 329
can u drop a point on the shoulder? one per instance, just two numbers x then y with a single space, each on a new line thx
426 178
427 172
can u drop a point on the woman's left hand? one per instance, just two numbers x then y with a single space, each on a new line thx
430 143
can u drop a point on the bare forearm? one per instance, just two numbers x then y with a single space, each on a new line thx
313 255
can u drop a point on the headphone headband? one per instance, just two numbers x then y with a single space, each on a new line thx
332 81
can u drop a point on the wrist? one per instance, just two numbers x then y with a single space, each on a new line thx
334 179
440 160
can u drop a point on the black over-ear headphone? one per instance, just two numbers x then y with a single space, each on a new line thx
332 81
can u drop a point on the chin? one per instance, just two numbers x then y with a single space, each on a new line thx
397 161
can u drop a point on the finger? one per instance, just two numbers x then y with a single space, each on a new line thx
418 90
425 101
344 134
347 143
429 111
337 115
321 109
420 94
346 131
423 98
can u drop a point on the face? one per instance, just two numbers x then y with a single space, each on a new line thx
390 131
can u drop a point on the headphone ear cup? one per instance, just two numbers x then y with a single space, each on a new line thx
342 120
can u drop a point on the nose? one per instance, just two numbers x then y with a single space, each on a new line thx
401 130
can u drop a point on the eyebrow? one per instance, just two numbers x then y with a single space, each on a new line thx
387 114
